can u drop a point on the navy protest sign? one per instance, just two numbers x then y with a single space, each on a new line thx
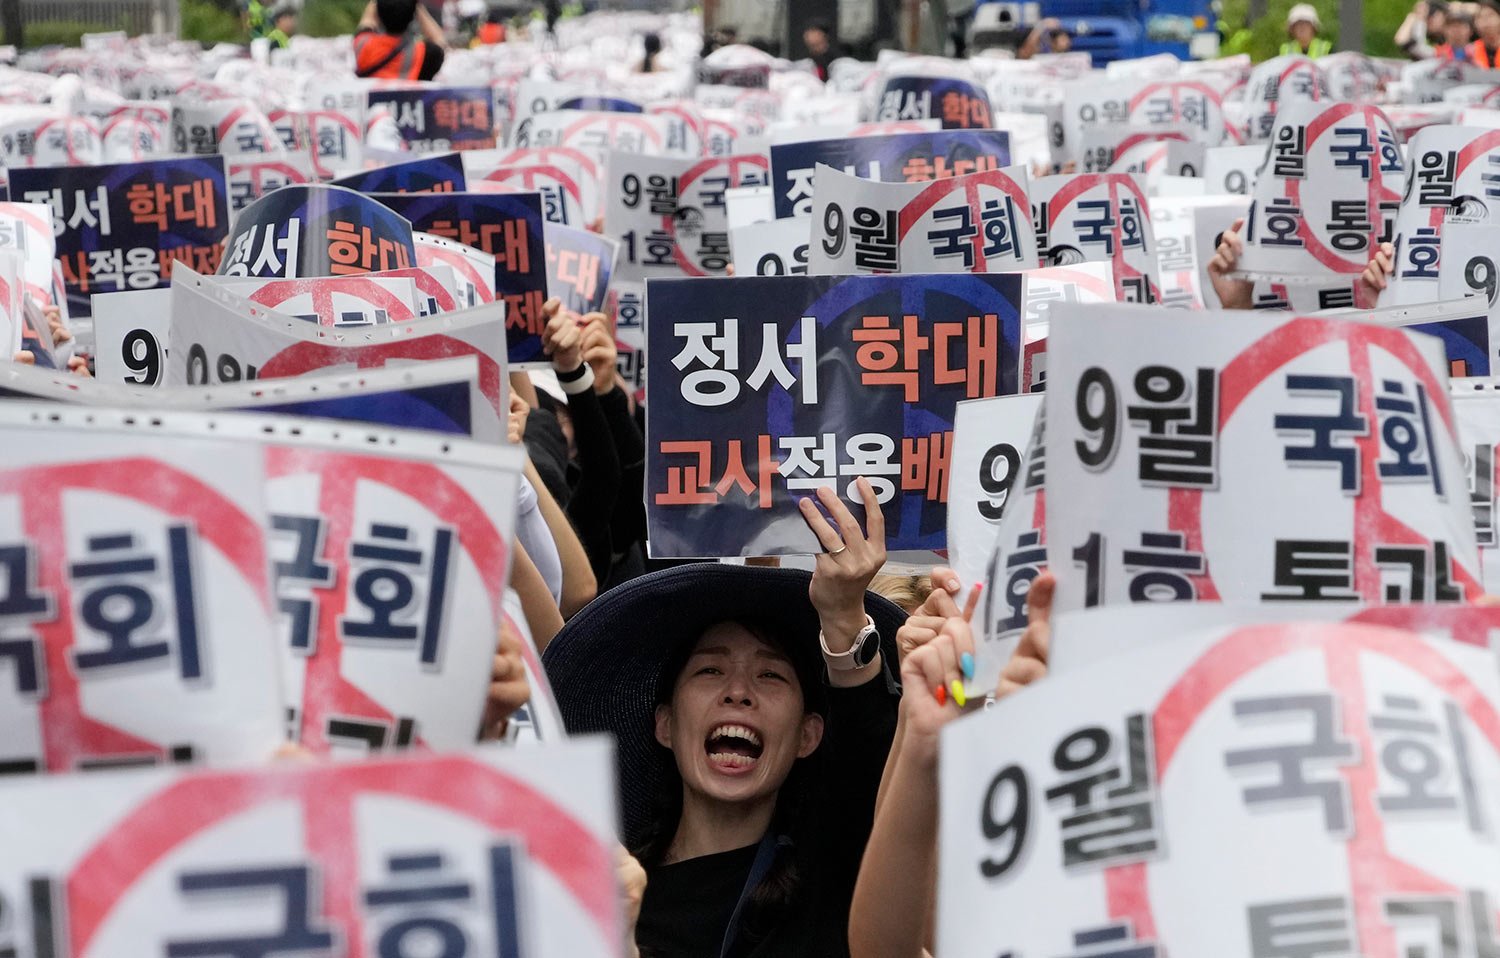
827 379
898 158
579 267
957 103
432 119
123 225
507 227
301 231
427 174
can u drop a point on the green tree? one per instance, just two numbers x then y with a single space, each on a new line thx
1263 38
209 23
330 18
217 21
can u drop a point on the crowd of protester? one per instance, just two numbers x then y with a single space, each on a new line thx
777 727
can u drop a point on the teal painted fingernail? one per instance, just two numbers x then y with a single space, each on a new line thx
966 662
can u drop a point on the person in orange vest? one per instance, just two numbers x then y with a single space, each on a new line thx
1485 51
491 31
383 47
1458 35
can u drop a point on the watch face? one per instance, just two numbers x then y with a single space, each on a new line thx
866 648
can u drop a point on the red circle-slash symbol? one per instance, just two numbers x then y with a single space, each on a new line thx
1079 185
306 357
325 690
912 212
738 170
69 734
1372 523
1375 873
555 840
322 290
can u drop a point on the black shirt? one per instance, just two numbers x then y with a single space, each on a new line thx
686 909
688 904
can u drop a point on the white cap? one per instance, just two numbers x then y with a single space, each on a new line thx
1303 13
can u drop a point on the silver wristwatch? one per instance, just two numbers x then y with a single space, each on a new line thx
866 646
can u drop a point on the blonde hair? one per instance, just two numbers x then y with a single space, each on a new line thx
907 591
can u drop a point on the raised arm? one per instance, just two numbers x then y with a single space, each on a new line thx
542 615
849 561
1233 293
579 586
896 895
1033 44
431 31
593 501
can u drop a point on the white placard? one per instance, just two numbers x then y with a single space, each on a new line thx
1476 406
1255 458
1043 289
310 857
472 270
1232 169
669 214
338 302
250 176
1019 555
371 396
1194 108
772 248
220 338
138 622
131 331
598 133
561 194
12 303
1327 192
221 126
1271 763
27 228
978 223
989 437
390 553
1276 85
748 205
576 173
1447 204
1179 252
1098 218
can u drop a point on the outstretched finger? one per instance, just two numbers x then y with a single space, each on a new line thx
946 580
973 602
827 537
874 517
848 529
1036 641
964 645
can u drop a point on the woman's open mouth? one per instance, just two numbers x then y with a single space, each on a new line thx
733 747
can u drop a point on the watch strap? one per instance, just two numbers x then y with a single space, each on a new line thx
848 661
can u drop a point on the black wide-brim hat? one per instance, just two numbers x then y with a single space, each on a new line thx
605 665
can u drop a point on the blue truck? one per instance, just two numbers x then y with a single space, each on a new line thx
1106 29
